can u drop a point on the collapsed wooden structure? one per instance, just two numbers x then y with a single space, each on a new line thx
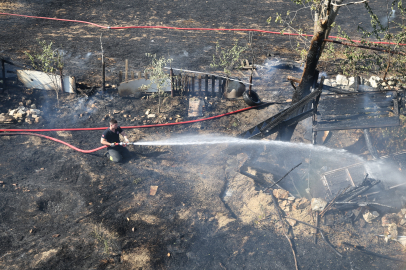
346 110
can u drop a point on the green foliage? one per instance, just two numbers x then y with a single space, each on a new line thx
136 181
103 238
358 61
46 59
227 58
49 61
157 74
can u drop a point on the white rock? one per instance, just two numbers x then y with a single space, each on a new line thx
11 112
392 83
318 204
327 82
374 81
152 115
351 81
341 79
370 216
35 111
147 111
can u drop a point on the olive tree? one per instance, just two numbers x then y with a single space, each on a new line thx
324 14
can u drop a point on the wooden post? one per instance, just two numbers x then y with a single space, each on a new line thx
193 84
103 75
3 74
220 92
396 106
126 70
224 86
139 75
61 73
213 85
206 85
199 79
186 83
250 88
120 76
171 74
132 75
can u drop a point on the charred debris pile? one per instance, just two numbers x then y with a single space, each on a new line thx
371 207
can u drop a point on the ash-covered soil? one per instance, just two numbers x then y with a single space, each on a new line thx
62 209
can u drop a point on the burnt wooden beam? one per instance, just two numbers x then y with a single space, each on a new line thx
358 124
3 73
206 85
213 85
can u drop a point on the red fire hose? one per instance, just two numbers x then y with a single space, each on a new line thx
53 139
9 132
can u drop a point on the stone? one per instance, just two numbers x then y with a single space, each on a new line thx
291 222
21 104
152 115
392 83
327 82
370 216
318 204
374 81
393 231
342 80
388 219
147 111
252 171
351 81
281 194
28 102
301 203
6 119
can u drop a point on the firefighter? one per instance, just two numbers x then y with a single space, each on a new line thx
110 137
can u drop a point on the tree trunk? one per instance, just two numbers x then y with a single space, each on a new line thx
325 16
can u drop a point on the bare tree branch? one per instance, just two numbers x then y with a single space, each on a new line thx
350 3
364 47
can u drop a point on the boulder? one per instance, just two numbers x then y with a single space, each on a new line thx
374 81
370 216
342 80
281 194
301 203
318 204
388 219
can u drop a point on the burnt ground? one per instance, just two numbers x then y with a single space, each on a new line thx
62 209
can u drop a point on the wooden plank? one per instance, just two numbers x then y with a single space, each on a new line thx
353 94
354 111
213 85
340 102
206 85
126 70
199 78
348 117
358 124
193 85
220 92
